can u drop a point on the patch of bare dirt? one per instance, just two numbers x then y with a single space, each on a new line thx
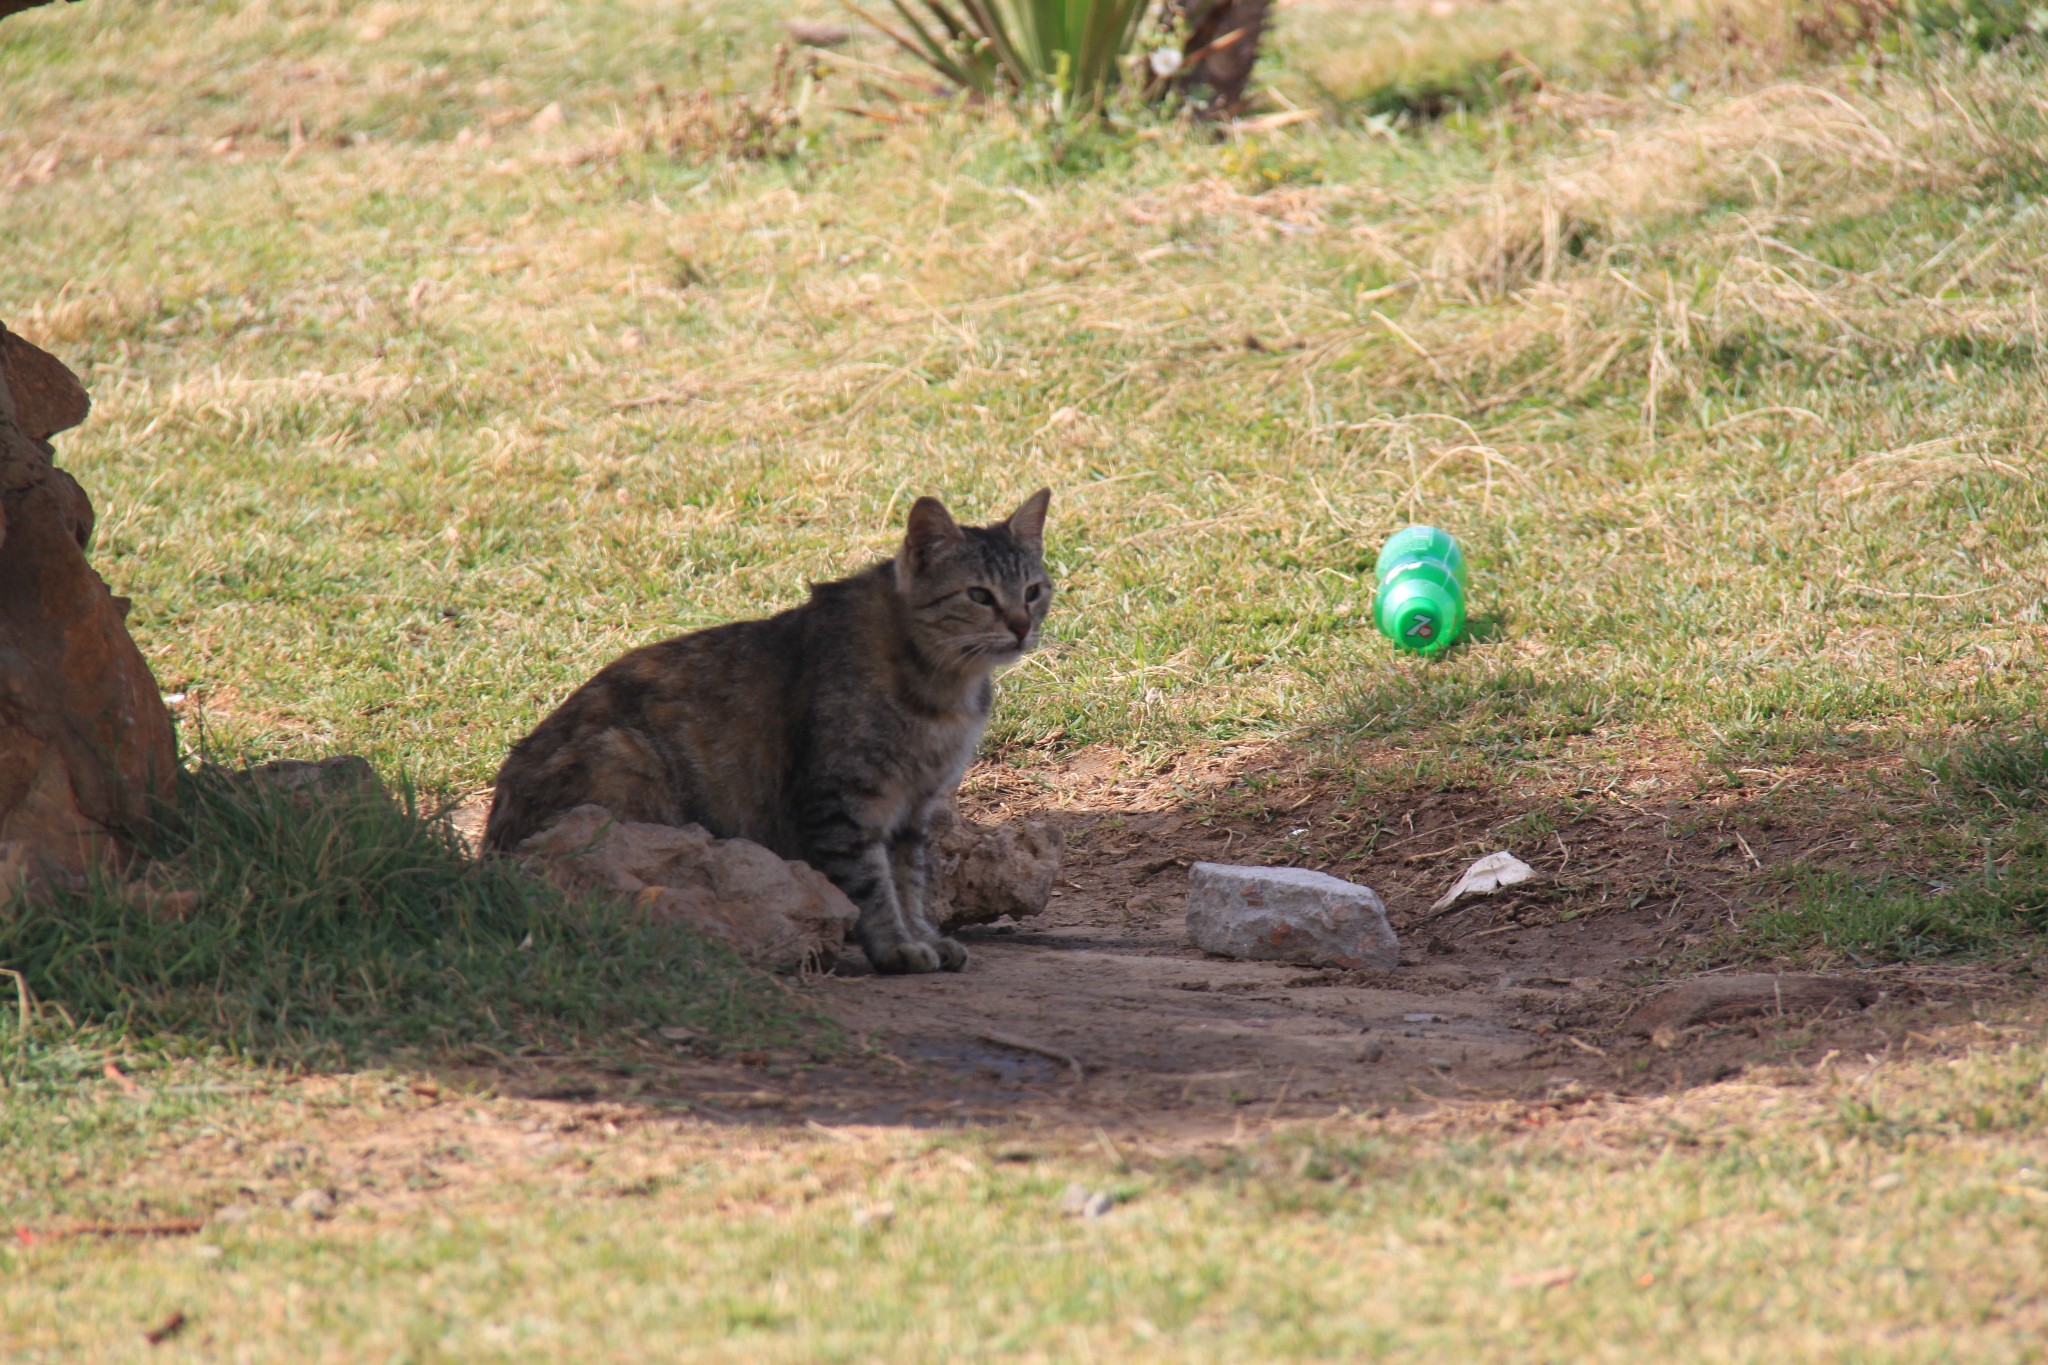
1098 1011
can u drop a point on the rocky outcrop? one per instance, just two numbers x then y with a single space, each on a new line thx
772 912
86 746
981 873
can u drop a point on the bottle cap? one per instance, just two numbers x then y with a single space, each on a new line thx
1420 608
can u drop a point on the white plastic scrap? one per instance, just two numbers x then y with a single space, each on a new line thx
1487 876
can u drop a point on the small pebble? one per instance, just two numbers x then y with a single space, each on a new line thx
1081 1202
314 1203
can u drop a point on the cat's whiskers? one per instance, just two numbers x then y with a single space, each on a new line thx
966 650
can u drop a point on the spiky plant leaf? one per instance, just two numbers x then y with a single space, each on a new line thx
1068 51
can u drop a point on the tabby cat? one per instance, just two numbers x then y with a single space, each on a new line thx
829 733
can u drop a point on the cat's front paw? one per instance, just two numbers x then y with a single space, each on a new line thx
952 956
904 958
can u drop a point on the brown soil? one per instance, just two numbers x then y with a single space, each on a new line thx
1096 1011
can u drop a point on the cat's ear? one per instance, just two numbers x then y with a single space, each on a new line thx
930 528
1028 521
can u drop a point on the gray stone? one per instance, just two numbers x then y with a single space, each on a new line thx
1288 914
1081 1202
773 912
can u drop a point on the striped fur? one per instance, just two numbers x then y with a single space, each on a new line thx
829 732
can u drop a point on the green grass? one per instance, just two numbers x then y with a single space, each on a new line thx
1737 444
2009 770
1894 918
1972 881
301 932
1721 352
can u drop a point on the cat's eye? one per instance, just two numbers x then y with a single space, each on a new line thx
982 596
1034 592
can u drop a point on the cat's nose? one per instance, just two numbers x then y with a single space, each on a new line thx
1019 628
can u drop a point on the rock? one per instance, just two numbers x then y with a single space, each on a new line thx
345 777
1715 999
314 1203
979 874
773 912
1487 876
47 397
86 746
1081 1202
1288 914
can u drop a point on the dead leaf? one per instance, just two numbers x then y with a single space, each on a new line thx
165 1330
1485 877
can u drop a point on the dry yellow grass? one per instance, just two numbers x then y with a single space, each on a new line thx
1878 1208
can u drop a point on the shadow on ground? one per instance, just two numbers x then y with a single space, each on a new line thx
1096 1012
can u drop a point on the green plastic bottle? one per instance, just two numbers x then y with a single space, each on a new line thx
1420 604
